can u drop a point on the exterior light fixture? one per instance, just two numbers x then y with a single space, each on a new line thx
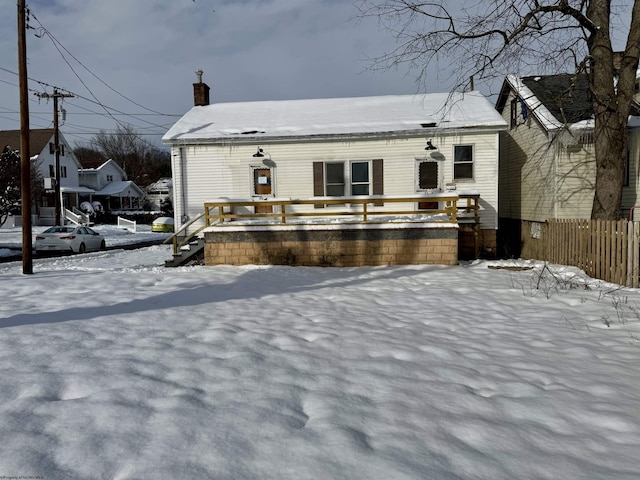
259 153
430 146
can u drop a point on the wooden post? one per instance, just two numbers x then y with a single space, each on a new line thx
25 157
56 145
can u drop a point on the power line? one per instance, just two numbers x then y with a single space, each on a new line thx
58 47
56 42
108 111
111 114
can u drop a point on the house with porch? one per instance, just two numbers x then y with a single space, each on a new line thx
338 152
110 186
547 159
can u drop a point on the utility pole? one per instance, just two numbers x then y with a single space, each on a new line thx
25 157
56 140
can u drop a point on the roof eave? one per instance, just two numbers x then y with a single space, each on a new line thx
423 132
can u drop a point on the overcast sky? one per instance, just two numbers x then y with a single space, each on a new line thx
148 51
136 59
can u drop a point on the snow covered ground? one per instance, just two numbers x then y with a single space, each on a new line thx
113 367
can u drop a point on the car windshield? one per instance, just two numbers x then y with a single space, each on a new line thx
59 230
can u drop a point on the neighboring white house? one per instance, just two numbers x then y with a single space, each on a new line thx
111 187
158 193
42 152
388 145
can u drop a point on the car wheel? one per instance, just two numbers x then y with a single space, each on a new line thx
82 248
103 246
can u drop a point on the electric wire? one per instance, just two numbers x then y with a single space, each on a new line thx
107 112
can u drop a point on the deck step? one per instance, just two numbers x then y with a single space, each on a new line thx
187 254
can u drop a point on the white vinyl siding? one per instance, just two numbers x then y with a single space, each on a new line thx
46 164
214 171
544 176
526 172
574 178
631 193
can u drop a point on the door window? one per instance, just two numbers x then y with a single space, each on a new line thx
262 181
428 175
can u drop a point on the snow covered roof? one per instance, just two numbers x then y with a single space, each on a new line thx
94 166
162 184
533 103
116 188
557 101
333 116
76 189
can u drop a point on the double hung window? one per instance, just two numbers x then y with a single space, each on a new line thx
463 162
334 181
360 178
347 178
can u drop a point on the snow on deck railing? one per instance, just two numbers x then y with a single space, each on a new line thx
127 224
432 207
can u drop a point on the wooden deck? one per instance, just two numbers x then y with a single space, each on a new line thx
370 210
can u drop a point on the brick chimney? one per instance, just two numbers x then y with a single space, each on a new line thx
200 91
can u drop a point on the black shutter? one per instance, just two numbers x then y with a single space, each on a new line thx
378 179
318 181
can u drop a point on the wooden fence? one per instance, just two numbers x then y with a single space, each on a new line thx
607 250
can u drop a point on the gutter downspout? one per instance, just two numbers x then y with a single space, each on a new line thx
184 218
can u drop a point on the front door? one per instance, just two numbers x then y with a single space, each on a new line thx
262 187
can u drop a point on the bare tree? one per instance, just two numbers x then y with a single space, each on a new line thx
128 149
86 154
486 39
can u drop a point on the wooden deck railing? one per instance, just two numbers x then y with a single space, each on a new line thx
325 210
354 209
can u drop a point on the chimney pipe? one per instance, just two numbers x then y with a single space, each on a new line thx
200 91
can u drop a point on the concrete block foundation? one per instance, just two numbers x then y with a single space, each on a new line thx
333 246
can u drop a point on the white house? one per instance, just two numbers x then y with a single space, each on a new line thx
388 145
159 192
42 153
111 187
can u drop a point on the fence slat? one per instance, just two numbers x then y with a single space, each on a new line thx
607 250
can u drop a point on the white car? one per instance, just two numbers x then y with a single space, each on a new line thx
71 239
